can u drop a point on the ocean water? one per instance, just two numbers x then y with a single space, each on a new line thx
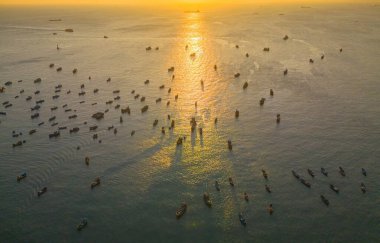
330 117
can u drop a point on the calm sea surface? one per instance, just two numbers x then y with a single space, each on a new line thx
330 117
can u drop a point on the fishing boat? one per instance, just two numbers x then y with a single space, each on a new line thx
82 224
311 173
364 172
181 210
20 177
341 171
295 174
325 201
207 200
42 191
363 188
246 196
231 181
267 188
307 184
264 174
95 183
217 186
242 219
334 188
323 171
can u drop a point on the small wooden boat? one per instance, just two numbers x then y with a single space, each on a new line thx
325 201
217 186
54 135
237 113
20 177
74 130
207 200
95 183
264 174
311 173
231 181
229 145
32 131
323 171
93 128
364 172
334 188
82 224
245 86
295 174
307 184
246 196
42 191
341 171
144 109
363 188
267 188
181 210
242 219
270 209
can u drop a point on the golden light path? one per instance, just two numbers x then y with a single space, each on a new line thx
201 159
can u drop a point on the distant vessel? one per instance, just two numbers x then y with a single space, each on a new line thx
192 11
69 30
55 19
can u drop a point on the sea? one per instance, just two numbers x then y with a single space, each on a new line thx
329 117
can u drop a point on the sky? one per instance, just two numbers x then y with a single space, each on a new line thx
179 2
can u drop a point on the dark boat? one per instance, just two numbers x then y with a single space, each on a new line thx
95 183
334 188
295 174
207 200
237 75
93 128
20 177
32 131
35 115
54 135
246 196
179 141
42 191
231 181
311 173
217 186
364 172
82 224
285 37
245 85
270 209
264 174
363 188
144 109
325 201
242 219
262 100
75 129
181 210
266 49
285 71
303 181
155 122
323 171
237 113
341 171
268 189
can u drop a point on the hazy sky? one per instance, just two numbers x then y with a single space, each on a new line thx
178 2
